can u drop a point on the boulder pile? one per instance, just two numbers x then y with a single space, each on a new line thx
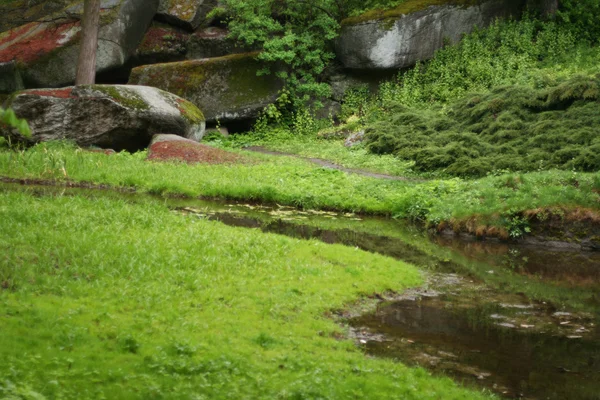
176 45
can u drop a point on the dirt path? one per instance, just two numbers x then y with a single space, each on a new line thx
329 164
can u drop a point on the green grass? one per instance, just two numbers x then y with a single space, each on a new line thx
332 150
109 299
286 181
282 180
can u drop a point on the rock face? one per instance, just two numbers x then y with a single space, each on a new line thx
10 78
224 88
188 14
401 37
18 12
108 116
213 42
47 52
164 43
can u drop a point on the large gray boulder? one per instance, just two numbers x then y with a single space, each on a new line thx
401 37
47 52
224 88
109 116
188 14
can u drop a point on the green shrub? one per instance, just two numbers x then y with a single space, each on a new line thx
510 128
583 16
295 37
8 118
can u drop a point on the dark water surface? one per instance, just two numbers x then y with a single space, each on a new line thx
523 322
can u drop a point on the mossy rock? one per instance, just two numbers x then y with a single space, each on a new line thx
187 14
108 116
46 52
162 43
214 42
414 31
10 78
19 12
224 88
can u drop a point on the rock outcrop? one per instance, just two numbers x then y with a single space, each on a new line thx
107 116
213 42
412 32
224 88
19 12
10 78
164 43
188 14
46 52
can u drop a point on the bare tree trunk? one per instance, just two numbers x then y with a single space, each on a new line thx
86 65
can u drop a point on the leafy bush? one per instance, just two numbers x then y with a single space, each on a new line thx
12 129
583 16
511 128
8 118
295 36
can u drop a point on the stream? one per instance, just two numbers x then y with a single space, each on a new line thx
520 321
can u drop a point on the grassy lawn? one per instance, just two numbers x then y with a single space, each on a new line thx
331 150
287 181
103 298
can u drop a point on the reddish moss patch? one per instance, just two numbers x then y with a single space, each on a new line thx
159 38
12 34
33 41
58 93
191 153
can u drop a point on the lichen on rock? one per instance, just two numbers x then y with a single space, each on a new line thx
224 88
108 116
46 52
187 14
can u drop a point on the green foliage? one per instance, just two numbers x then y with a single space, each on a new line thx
286 181
286 114
516 225
511 128
583 16
504 53
295 37
8 118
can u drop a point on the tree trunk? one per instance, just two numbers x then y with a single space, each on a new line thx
86 65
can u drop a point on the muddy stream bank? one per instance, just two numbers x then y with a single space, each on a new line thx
520 321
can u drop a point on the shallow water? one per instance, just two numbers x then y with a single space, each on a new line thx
521 321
